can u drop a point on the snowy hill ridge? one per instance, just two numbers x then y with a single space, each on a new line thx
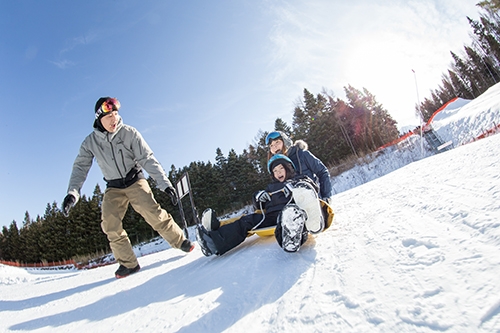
415 250
461 122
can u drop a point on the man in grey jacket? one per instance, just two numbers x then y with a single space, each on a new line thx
121 153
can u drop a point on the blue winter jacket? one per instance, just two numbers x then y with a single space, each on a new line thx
308 164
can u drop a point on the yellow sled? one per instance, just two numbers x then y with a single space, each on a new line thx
269 231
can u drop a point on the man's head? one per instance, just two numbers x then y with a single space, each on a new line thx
281 167
106 114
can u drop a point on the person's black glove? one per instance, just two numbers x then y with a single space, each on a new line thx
287 189
262 196
68 202
173 195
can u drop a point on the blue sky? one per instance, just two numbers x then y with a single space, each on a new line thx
194 76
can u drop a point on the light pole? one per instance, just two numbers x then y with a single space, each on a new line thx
420 114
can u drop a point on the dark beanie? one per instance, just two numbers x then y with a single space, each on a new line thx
99 103
97 121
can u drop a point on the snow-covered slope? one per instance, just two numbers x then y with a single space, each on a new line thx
460 122
415 250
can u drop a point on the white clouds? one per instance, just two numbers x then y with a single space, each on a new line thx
78 41
70 46
368 44
63 64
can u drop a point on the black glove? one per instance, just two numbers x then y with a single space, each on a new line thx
287 189
68 202
173 195
262 196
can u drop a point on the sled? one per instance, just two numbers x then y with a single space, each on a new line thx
183 187
269 231
327 213
262 232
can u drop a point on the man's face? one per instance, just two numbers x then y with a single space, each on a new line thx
110 121
279 172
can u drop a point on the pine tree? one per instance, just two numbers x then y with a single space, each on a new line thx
492 6
343 139
304 115
310 123
12 243
448 91
480 72
8 241
462 71
282 126
55 232
2 244
29 235
458 85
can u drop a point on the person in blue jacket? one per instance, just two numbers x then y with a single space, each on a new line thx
305 162
273 202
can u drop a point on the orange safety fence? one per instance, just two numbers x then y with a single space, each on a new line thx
425 126
40 264
401 138
487 133
440 109
56 264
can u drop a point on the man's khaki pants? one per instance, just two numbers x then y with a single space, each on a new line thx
140 196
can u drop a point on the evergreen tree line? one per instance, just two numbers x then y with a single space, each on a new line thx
333 128
477 69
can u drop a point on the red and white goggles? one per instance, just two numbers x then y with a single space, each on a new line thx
111 104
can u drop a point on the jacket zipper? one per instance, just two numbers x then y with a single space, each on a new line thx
114 158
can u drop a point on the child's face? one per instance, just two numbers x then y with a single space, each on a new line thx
279 172
276 146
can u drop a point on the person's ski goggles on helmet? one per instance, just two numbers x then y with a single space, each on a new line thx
272 136
111 104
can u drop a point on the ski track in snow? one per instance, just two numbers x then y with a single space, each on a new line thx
413 246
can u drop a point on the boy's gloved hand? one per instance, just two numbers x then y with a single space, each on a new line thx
68 202
173 195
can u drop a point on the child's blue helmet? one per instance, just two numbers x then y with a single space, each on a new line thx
278 159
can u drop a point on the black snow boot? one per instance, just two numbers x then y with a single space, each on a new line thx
187 246
123 271
292 220
205 241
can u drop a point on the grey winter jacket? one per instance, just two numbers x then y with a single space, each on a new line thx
116 154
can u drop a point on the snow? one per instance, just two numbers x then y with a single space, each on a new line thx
414 248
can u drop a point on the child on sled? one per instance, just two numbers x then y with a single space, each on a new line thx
290 202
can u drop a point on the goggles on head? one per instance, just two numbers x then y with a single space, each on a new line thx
272 136
111 104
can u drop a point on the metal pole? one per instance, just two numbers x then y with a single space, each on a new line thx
421 117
